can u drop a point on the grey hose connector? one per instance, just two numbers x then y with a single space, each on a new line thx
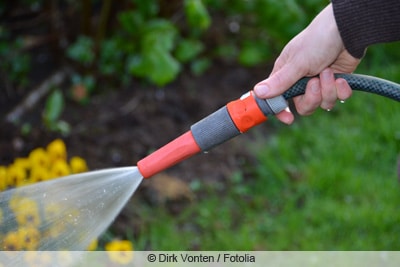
233 119
214 129
273 105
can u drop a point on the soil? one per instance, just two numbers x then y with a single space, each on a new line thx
119 127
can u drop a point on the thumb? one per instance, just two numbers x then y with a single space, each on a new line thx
279 81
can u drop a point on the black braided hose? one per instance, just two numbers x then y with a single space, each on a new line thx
357 82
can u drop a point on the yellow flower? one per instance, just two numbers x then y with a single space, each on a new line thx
65 220
11 242
78 165
93 245
15 175
51 210
38 174
22 166
52 214
26 212
39 157
54 231
14 201
3 178
57 150
22 163
120 251
19 201
29 237
58 169
28 217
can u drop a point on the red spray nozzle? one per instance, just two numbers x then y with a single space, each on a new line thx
177 150
229 121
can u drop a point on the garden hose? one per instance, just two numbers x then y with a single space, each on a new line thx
357 82
241 115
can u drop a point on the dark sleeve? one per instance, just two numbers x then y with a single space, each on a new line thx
365 22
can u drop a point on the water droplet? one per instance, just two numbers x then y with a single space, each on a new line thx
328 109
104 190
205 152
342 101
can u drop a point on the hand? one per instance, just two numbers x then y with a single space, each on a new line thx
317 50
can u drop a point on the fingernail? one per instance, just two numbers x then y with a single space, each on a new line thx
326 73
261 90
315 87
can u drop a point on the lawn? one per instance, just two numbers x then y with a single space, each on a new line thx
328 182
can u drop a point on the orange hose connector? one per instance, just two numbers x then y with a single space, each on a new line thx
245 112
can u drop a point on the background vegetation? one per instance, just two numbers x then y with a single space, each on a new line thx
104 41
329 182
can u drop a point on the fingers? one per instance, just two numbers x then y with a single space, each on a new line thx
278 83
285 116
322 92
328 89
311 100
343 89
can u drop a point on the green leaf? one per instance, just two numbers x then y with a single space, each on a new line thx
164 68
146 8
63 127
159 33
112 53
155 61
188 49
136 65
54 107
26 128
199 66
130 21
157 65
82 50
197 14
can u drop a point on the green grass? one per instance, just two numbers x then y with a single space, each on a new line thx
334 178
328 182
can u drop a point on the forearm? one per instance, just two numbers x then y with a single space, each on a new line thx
365 22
